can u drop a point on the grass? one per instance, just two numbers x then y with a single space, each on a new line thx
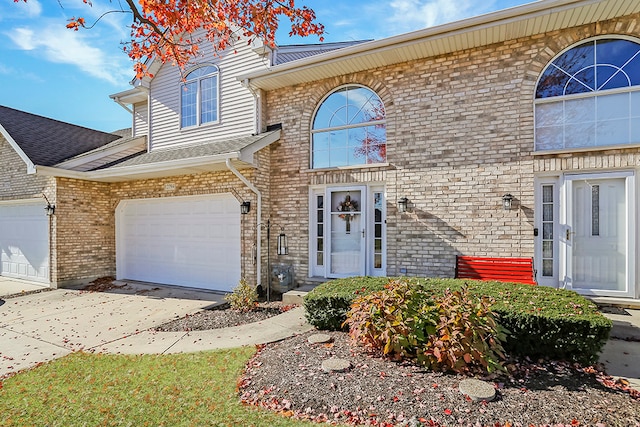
84 389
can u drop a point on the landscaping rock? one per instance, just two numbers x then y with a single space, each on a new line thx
335 365
477 390
319 339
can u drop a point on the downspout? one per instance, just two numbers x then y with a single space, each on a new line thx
258 224
257 125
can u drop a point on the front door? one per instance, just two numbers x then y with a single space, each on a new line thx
585 230
348 232
598 238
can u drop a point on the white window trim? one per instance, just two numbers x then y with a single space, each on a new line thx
368 191
594 94
313 131
198 97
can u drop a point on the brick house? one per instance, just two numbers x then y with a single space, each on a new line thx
332 144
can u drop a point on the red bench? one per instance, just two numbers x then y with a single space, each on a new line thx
518 270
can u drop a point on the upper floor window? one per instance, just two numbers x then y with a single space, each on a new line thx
349 128
199 97
589 96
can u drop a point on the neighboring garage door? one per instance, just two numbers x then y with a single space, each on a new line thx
188 241
24 241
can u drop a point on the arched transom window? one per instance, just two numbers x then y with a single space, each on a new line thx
589 96
349 128
199 97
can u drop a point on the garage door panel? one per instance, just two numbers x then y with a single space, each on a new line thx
24 241
189 241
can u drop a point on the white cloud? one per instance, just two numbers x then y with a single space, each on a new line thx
428 13
58 44
31 8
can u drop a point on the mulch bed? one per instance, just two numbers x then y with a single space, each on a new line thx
287 377
223 317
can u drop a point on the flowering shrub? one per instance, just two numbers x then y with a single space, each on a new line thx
243 298
455 332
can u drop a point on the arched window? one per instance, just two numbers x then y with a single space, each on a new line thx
349 128
199 97
589 96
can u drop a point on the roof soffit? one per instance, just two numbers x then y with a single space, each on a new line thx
522 21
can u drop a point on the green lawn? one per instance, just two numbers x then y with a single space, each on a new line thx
196 389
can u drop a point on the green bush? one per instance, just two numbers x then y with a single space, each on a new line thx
542 321
327 305
451 332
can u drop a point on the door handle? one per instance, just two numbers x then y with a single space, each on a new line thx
569 233
363 233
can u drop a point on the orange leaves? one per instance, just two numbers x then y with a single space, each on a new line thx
75 23
159 26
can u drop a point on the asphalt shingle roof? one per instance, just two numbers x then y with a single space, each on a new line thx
288 53
190 151
47 141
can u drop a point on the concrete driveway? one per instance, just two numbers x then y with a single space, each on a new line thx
50 324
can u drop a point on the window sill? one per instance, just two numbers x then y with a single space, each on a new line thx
340 168
586 149
188 129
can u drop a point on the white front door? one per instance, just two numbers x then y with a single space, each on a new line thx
598 235
348 232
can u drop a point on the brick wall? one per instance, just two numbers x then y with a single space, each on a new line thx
459 136
86 219
14 181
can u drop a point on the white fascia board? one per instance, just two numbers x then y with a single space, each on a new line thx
98 154
31 168
246 154
131 96
130 172
526 11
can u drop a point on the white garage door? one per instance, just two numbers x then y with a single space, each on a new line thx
24 241
188 241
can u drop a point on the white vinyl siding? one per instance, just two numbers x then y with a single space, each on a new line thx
140 119
237 113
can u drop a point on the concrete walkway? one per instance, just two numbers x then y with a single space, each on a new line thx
39 327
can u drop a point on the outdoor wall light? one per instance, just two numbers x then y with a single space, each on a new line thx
245 207
50 209
402 204
283 247
507 201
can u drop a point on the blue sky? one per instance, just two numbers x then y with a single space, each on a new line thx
49 70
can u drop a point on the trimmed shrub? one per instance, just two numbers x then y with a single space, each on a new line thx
542 321
327 305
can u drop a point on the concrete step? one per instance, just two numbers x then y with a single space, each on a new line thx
293 297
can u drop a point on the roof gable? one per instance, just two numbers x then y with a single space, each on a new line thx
47 141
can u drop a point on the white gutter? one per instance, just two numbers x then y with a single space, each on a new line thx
259 214
101 153
31 168
130 96
132 171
